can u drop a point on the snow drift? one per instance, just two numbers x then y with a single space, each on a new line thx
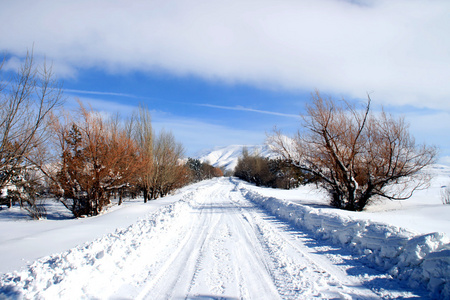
416 259
81 272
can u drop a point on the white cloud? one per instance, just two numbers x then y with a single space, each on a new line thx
398 49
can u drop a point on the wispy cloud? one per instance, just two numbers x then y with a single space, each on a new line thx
241 108
83 92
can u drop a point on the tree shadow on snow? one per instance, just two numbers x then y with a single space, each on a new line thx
54 211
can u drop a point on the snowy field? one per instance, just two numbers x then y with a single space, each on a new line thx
226 239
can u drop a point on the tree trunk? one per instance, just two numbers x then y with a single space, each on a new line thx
145 191
120 197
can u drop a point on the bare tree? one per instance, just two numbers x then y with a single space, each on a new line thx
355 154
168 171
26 102
143 135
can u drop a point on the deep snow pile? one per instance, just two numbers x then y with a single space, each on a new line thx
417 259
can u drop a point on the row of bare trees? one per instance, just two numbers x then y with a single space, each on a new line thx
162 170
357 155
83 158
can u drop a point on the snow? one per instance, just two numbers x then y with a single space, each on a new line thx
224 238
23 241
398 251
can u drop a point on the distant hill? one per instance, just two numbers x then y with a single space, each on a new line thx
227 157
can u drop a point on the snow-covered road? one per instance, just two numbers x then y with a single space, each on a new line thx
215 243
231 248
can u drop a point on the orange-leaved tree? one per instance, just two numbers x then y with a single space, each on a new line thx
97 157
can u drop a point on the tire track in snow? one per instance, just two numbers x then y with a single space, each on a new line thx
236 264
224 271
178 273
294 275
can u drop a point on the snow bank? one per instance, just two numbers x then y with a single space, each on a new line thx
115 257
416 259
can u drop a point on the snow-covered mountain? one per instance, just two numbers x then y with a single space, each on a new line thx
227 157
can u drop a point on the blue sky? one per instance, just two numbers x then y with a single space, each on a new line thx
217 73
202 114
